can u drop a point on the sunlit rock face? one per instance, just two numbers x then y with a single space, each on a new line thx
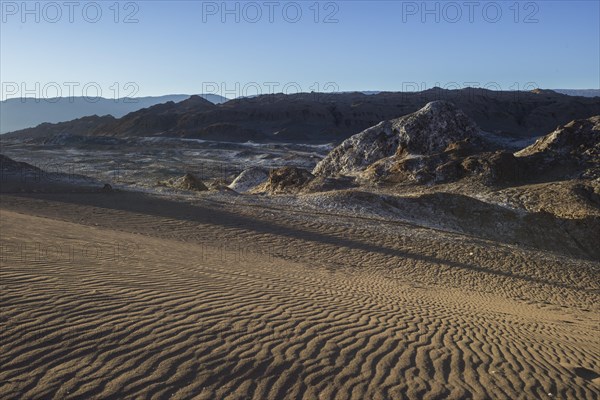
572 149
430 130
285 180
189 182
249 179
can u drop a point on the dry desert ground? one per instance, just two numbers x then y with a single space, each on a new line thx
124 295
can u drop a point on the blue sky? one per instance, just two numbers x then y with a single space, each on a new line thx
188 46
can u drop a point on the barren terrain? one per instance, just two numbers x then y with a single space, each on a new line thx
125 295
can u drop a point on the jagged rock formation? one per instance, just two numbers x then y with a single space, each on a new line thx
495 168
249 179
188 182
285 180
324 118
570 151
433 128
441 144
404 144
360 150
219 185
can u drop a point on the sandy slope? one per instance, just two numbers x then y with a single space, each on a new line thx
127 297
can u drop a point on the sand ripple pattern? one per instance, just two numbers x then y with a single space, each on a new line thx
159 310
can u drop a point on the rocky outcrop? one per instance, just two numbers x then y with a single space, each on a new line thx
285 180
359 151
580 138
440 144
570 151
188 182
249 179
496 168
437 127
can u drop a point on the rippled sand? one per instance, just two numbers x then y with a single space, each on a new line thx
125 296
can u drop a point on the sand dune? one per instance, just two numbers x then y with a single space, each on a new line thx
130 297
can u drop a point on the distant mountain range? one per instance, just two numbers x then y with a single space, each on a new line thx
568 92
580 92
16 114
323 118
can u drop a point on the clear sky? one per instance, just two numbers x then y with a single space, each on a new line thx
243 48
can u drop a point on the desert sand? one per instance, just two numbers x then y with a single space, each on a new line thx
124 295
